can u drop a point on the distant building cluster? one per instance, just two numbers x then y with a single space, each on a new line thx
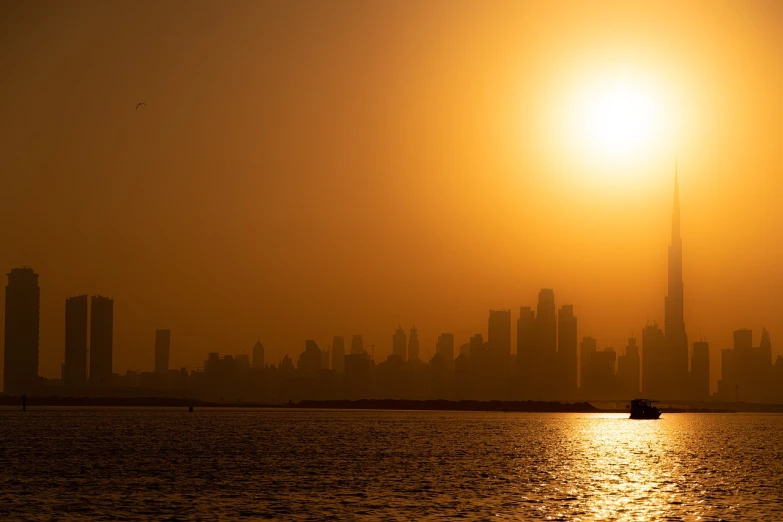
549 362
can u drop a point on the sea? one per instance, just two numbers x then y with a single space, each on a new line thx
248 464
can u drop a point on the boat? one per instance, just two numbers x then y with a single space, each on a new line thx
644 409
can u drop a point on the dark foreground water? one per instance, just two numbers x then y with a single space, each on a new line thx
169 464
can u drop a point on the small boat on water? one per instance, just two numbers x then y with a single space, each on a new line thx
643 409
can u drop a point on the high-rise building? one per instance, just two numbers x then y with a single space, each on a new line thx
399 340
413 345
22 302
654 362
310 359
546 322
700 371
628 370
258 355
338 354
75 366
445 348
162 350
101 334
743 339
676 353
566 350
499 339
357 345
525 346
477 349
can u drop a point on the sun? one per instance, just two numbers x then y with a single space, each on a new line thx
617 121
620 118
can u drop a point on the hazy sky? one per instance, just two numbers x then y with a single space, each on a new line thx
306 169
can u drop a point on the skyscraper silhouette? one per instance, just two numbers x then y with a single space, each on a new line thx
566 351
654 361
499 338
445 348
22 302
399 340
545 354
75 367
526 339
258 355
338 354
357 345
101 334
413 345
674 325
162 350
546 322
628 371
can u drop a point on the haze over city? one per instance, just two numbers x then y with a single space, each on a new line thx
298 174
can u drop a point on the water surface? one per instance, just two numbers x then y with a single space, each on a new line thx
137 464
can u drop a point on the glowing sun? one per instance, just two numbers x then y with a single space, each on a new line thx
620 119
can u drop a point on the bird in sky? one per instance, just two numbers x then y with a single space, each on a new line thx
140 104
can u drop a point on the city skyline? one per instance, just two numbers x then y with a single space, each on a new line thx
258 196
547 363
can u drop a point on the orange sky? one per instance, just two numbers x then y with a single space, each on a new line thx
305 169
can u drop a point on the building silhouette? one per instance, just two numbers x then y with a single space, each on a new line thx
675 378
258 355
413 345
747 371
526 329
338 354
654 361
399 341
628 371
310 359
566 352
445 348
357 345
75 365
101 336
22 304
499 335
162 350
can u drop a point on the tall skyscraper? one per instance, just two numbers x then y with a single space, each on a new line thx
75 367
546 322
445 348
628 370
499 339
413 345
654 361
338 354
162 350
101 334
566 350
525 340
22 302
399 340
700 371
674 326
357 345
258 355
743 339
